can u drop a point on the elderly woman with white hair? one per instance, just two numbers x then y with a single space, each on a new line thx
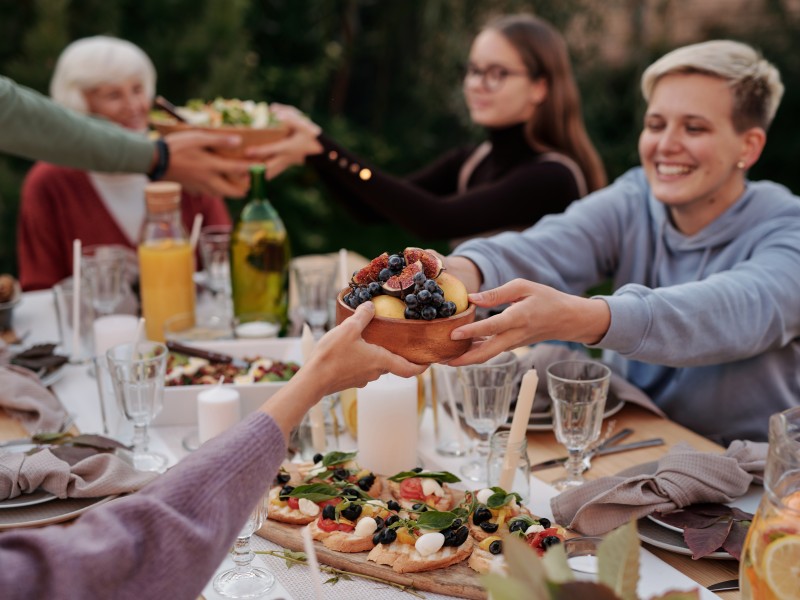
705 263
115 80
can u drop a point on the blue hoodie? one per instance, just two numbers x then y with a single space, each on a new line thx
707 325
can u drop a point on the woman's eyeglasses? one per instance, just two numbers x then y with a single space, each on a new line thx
492 77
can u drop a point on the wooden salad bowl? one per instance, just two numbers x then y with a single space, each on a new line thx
421 342
250 136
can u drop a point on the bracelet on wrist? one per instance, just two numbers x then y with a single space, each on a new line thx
162 162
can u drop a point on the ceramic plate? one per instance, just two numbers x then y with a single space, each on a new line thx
36 497
668 537
49 512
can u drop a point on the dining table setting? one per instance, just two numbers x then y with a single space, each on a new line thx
624 460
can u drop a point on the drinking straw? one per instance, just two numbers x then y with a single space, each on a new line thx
137 336
195 235
317 413
311 557
457 421
76 297
519 425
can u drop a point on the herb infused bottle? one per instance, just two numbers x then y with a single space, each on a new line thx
260 255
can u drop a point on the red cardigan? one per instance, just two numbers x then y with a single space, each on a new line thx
60 204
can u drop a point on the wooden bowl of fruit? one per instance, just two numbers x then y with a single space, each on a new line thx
417 305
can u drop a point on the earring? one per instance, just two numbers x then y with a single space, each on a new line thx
740 165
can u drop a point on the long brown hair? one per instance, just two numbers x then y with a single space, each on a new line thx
557 123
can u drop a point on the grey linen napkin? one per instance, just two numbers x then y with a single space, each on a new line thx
543 355
24 397
682 477
98 475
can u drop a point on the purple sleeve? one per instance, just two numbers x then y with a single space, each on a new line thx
164 541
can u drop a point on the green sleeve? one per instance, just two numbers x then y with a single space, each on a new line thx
34 127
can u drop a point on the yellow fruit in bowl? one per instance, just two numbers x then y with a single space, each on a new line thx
389 306
454 290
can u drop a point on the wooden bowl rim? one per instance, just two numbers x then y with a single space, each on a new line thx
410 322
175 124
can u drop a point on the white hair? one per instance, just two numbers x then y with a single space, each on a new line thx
755 82
93 61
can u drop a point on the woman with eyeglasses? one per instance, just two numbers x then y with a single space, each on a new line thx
536 160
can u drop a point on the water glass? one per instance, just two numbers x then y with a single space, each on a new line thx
498 449
487 396
105 271
244 580
315 287
138 371
77 345
215 248
578 389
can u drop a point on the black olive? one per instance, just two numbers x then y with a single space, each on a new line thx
550 540
352 512
317 457
283 477
449 537
393 505
366 482
417 469
517 525
285 491
481 514
456 524
329 512
388 536
461 536
496 547
341 474
378 523
377 536
419 506
351 494
488 526
544 522
392 520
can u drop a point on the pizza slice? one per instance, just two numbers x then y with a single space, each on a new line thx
491 509
341 467
418 490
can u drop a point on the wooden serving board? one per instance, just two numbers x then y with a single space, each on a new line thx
456 580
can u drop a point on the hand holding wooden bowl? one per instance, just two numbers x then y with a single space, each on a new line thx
419 341
251 136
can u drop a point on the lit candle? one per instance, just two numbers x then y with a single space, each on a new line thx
218 409
111 330
519 425
387 424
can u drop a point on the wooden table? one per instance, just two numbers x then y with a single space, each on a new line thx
645 425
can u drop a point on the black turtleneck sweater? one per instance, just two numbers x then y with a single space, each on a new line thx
509 189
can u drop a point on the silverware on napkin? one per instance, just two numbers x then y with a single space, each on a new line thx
554 462
725 586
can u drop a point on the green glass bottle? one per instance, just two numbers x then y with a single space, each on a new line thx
260 255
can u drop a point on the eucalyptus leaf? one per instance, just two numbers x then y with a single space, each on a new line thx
525 567
316 492
337 458
503 588
440 476
618 561
556 566
436 520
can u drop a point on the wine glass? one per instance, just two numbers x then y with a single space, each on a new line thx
244 580
578 389
315 288
138 371
487 397
105 270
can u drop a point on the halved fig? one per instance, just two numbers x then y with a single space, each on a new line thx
431 264
370 273
402 283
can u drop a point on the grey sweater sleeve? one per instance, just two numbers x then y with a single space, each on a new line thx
162 542
34 127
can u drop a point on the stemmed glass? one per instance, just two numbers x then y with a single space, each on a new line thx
315 288
138 371
578 389
244 580
105 272
487 396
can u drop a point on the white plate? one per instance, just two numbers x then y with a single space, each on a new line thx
35 497
50 512
53 376
668 537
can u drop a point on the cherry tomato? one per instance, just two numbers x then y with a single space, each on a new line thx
293 503
331 525
411 489
535 542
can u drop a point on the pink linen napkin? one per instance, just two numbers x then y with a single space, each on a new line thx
98 475
682 477
24 397
542 356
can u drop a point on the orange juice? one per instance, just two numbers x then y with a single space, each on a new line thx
165 271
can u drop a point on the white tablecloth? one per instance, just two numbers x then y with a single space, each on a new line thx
78 392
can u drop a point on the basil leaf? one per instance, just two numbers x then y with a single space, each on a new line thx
337 458
316 492
436 520
500 498
440 476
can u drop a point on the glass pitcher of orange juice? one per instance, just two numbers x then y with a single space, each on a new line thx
770 564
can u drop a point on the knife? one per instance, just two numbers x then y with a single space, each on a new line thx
214 357
725 586
554 462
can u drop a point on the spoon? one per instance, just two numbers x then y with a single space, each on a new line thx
168 107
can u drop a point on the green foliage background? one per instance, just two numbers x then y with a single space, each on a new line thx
381 76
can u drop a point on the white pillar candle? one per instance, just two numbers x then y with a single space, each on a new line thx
111 330
218 409
387 425
257 329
